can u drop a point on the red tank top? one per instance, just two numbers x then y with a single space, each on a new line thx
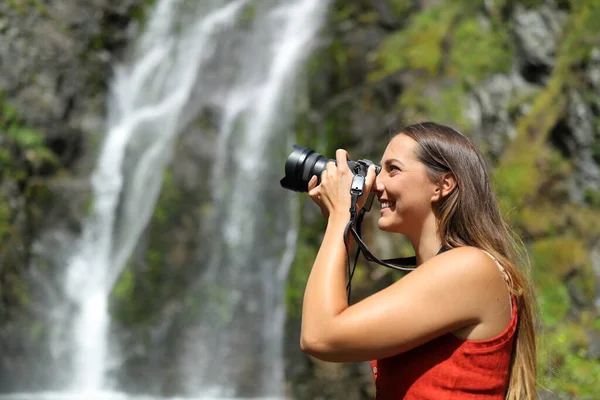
449 368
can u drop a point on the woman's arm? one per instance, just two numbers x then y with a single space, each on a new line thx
325 294
458 288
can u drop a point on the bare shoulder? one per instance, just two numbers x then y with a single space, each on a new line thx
469 264
467 274
475 276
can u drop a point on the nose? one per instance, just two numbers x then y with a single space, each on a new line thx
378 186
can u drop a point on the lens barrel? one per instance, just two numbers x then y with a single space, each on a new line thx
300 166
303 163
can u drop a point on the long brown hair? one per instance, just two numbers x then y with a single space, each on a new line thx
470 216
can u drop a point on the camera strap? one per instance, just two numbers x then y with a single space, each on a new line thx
355 224
404 264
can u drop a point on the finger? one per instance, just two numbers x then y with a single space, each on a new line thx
370 179
312 183
330 166
341 157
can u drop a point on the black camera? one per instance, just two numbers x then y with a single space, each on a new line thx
303 163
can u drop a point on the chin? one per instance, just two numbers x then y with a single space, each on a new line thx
386 226
392 222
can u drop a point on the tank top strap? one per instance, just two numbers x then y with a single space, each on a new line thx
506 278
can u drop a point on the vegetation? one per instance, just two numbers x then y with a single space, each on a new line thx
447 50
24 159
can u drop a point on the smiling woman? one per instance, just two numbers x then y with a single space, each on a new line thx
461 324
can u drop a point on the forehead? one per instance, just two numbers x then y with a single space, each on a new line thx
401 147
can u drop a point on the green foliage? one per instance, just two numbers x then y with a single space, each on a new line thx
450 42
170 198
124 287
402 8
479 50
344 10
444 105
592 197
27 144
419 46
25 7
552 259
23 155
139 11
564 361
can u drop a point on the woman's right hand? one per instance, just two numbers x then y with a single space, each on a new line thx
316 197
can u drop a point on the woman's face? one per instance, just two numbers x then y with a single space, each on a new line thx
404 189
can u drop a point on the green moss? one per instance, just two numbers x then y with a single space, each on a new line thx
542 220
339 55
565 364
444 105
344 11
124 287
552 258
169 201
592 197
557 255
419 46
402 8
23 155
478 51
139 11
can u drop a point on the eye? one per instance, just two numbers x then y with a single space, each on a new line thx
394 168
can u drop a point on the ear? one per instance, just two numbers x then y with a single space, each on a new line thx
446 185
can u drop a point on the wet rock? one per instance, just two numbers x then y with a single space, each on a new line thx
492 109
537 32
575 138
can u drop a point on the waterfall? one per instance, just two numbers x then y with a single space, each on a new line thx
250 239
194 55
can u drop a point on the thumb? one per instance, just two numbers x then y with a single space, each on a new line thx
370 179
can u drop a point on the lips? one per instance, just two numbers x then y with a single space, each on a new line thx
385 204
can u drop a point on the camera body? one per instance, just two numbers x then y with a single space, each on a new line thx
303 163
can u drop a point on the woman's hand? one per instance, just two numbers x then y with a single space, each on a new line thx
332 195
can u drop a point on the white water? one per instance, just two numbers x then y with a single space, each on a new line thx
246 263
177 68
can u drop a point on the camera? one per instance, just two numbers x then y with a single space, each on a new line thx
303 163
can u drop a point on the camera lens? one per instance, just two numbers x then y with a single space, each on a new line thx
300 166
303 163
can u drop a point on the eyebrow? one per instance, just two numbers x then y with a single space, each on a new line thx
389 161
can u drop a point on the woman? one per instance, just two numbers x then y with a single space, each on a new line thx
460 325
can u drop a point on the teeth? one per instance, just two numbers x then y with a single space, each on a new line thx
385 204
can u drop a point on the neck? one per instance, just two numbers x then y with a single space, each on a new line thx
426 242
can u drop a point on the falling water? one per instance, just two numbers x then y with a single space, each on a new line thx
250 239
148 100
194 55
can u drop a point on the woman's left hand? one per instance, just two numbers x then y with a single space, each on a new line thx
332 195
